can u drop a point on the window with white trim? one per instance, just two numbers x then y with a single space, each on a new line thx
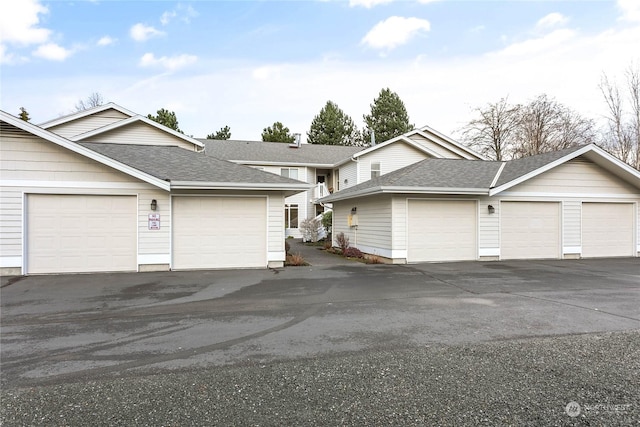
375 170
289 173
291 216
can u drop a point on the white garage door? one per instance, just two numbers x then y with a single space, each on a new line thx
607 229
442 230
529 230
219 232
79 234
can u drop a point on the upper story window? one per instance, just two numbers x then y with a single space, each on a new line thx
375 170
289 173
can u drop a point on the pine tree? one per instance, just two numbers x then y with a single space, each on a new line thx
277 133
24 115
333 127
223 133
166 118
388 118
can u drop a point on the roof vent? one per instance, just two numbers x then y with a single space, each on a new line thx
296 141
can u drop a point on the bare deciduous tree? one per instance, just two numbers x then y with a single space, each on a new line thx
93 100
503 131
545 125
491 132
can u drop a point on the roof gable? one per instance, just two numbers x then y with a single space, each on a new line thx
132 120
84 113
65 143
520 170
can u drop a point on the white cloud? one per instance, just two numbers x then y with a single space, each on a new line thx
555 39
170 63
552 20
53 52
167 16
19 22
182 12
395 31
106 41
630 10
140 32
368 3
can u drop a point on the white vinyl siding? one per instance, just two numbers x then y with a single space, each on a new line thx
489 228
88 123
529 230
31 165
390 158
275 224
442 230
576 177
80 234
348 175
607 229
219 232
142 134
571 221
374 213
399 224
440 148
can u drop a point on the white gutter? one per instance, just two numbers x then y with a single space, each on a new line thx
200 185
407 190
495 179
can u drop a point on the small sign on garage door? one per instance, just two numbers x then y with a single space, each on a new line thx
154 221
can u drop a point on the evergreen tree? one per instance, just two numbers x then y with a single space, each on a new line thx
166 118
24 115
333 127
277 133
388 118
223 133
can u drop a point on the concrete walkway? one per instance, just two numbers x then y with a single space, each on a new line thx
314 255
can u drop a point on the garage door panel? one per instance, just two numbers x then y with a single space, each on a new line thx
529 230
607 229
442 230
81 233
219 232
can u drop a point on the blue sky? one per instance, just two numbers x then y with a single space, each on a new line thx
247 64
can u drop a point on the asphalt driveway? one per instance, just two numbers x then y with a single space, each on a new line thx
76 329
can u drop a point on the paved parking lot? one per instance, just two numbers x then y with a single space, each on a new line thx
78 329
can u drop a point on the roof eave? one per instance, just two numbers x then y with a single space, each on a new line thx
204 185
272 163
406 190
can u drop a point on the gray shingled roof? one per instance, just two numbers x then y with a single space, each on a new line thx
278 152
433 174
452 174
172 163
514 169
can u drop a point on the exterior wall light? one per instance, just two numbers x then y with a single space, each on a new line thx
491 209
154 204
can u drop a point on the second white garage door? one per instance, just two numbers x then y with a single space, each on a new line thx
607 229
441 230
529 230
219 232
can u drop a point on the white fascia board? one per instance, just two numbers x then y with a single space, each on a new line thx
402 138
284 164
406 190
85 113
451 141
603 157
495 178
131 120
198 185
79 149
541 169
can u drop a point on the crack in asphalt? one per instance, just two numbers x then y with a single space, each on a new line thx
573 305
